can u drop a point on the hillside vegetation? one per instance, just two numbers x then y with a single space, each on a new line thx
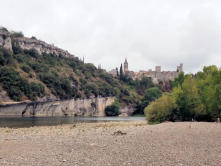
27 75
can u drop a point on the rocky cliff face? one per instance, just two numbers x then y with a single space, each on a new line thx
5 39
30 43
41 47
80 107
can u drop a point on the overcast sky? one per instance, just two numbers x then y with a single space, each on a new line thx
147 32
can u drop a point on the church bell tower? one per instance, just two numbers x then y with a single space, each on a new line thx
125 66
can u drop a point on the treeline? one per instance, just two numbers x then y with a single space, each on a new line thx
193 97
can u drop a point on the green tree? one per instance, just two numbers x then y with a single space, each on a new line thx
179 80
160 110
117 72
113 110
151 94
189 102
121 72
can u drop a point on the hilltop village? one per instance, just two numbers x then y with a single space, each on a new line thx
156 75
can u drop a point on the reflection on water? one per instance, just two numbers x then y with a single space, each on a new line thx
18 122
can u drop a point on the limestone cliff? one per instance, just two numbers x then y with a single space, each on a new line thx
6 39
72 107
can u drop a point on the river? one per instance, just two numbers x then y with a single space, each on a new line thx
20 122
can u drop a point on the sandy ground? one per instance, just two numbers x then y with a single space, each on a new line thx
113 143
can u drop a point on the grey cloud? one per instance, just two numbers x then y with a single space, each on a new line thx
147 32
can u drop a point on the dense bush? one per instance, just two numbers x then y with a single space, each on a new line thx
5 57
113 110
39 67
16 34
194 97
16 48
59 86
32 52
26 68
160 110
151 94
17 87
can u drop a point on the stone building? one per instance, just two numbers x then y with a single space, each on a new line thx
157 75
126 66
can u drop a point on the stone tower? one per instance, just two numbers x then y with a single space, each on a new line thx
158 68
180 68
125 66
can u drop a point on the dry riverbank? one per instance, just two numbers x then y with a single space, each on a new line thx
113 143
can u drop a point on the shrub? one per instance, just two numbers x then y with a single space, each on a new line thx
151 94
32 52
113 110
26 68
38 67
5 57
16 48
90 89
16 34
59 86
160 110
16 86
106 90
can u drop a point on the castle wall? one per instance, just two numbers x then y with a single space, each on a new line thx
155 75
72 107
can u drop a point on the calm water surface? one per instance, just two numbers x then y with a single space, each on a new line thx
19 122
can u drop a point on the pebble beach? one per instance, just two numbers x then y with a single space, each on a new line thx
113 143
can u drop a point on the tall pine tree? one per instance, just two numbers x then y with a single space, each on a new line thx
117 72
121 72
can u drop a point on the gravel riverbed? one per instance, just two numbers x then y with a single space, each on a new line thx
113 143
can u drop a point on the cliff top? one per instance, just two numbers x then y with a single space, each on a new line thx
31 43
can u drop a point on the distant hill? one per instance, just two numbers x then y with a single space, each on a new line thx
31 69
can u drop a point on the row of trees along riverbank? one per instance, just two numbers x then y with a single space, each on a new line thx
193 97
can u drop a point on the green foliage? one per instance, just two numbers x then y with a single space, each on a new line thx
91 89
17 87
59 86
160 110
109 79
179 80
32 52
26 68
5 57
195 97
151 94
121 72
113 110
106 90
143 84
16 34
32 90
38 67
